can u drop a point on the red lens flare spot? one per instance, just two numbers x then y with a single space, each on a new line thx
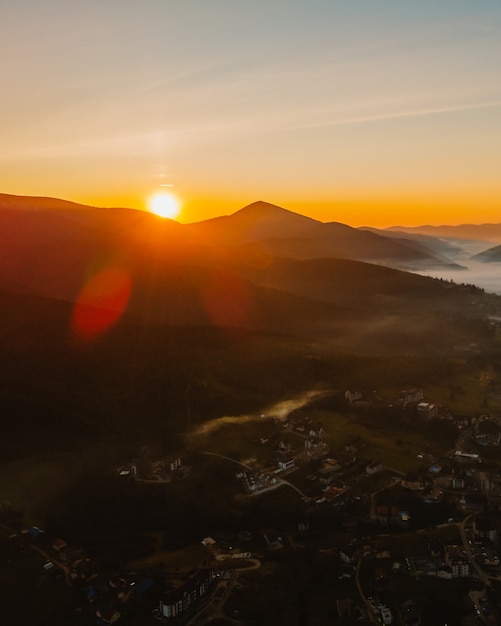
101 302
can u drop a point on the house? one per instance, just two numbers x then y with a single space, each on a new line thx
382 552
410 396
316 430
484 528
390 514
459 481
59 545
208 542
173 463
485 481
284 446
413 482
107 614
385 614
373 467
444 571
488 431
353 397
176 601
286 463
457 560
460 569
316 447
348 554
465 457
427 411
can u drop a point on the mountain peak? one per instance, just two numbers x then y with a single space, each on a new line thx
261 209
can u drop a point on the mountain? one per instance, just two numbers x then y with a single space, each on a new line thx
198 326
289 234
492 255
443 248
472 232
257 221
48 246
176 274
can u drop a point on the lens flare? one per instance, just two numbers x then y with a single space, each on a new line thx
101 302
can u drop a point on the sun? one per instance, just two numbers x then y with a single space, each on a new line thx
164 205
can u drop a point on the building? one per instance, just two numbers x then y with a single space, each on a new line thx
348 554
413 482
459 480
353 397
385 614
484 528
373 468
456 559
410 396
390 515
427 411
286 463
178 600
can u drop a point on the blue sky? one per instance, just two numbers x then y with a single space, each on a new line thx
356 111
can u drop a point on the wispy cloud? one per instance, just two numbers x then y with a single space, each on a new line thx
365 119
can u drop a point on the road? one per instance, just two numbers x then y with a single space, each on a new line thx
484 577
370 612
46 555
280 481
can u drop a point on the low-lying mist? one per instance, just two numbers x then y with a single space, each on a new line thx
474 272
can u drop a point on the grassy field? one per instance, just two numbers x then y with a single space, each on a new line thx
381 442
31 485
192 556
464 389
241 440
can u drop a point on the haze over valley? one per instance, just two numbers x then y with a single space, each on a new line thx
250 313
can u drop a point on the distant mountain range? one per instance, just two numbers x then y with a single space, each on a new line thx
291 235
492 255
472 232
290 267
45 243
216 316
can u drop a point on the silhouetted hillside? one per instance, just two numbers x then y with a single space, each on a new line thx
472 232
292 235
259 220
181 329
492 255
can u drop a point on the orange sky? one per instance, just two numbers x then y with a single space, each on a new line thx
360 112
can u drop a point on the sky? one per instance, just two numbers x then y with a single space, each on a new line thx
367 112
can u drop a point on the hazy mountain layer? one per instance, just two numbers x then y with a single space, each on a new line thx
492 255
472 232
291 235
117 324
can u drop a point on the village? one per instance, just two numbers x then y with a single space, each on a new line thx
381 533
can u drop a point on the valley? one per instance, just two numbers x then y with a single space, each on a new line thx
163 386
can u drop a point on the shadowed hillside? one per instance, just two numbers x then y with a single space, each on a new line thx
194 330
477 232
492 255
292 235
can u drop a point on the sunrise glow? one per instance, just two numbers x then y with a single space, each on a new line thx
165 205
387 113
